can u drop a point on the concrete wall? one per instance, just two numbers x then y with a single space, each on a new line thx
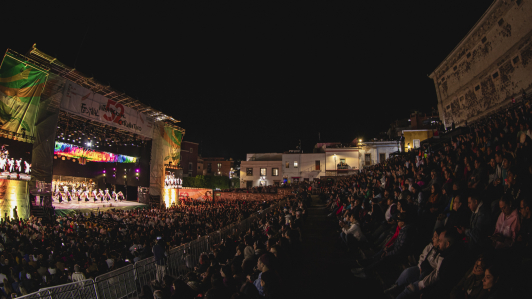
410 135
490 66
350 155
375 149
256 178
306 166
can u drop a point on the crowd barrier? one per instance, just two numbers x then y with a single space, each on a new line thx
127 281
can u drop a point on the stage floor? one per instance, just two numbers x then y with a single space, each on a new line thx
63 209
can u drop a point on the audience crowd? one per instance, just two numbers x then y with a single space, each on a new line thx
35 254
449 221
454 221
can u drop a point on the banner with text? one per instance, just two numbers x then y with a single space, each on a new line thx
85 102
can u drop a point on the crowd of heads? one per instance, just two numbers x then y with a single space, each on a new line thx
254 264
471 195
37 254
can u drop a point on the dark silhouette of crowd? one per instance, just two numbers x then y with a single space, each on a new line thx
256 263
36 254
449 220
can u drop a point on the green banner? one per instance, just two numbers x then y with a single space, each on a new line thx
172 138
21 86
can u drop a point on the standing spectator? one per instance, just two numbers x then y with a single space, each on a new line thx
160 259
77 275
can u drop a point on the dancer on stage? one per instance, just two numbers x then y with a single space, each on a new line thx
58 196
100 196
27 167
120 196
78 194
18 164
68 195
83 195
11 164
3 162
114 196
94 195
73 194
107 196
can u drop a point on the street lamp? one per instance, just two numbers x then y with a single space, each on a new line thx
335 166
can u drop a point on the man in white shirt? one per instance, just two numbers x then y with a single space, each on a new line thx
352 232
77 275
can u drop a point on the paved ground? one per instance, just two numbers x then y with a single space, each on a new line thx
324 271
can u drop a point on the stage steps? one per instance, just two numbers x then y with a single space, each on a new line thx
39 212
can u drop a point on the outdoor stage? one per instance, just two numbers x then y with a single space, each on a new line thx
63 209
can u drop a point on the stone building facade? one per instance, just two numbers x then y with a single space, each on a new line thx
490 66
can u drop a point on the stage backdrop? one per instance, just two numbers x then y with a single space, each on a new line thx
85 102
170 195
21 86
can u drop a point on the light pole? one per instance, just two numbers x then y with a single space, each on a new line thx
335 166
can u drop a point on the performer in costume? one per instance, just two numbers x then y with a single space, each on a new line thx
27 167
83 195
94 195
120 196
107 196
11 164
3 162
18 164
58 196
101 196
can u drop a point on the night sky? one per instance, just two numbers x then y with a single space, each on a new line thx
245 77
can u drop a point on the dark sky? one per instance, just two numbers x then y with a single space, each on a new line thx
249 77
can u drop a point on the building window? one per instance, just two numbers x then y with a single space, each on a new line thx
219 165
263 172
199 167
190 166
416 143
191 150
367 159
287 165
249 171
295 164
275 171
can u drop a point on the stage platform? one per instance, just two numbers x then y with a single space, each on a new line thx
63 209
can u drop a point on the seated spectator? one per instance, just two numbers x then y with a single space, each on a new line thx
428 264
507 226
479 224
471 285
396 249
352 235
491 282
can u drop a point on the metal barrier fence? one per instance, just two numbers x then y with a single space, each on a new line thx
82 289
128 281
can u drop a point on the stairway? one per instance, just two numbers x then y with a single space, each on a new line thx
39 212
